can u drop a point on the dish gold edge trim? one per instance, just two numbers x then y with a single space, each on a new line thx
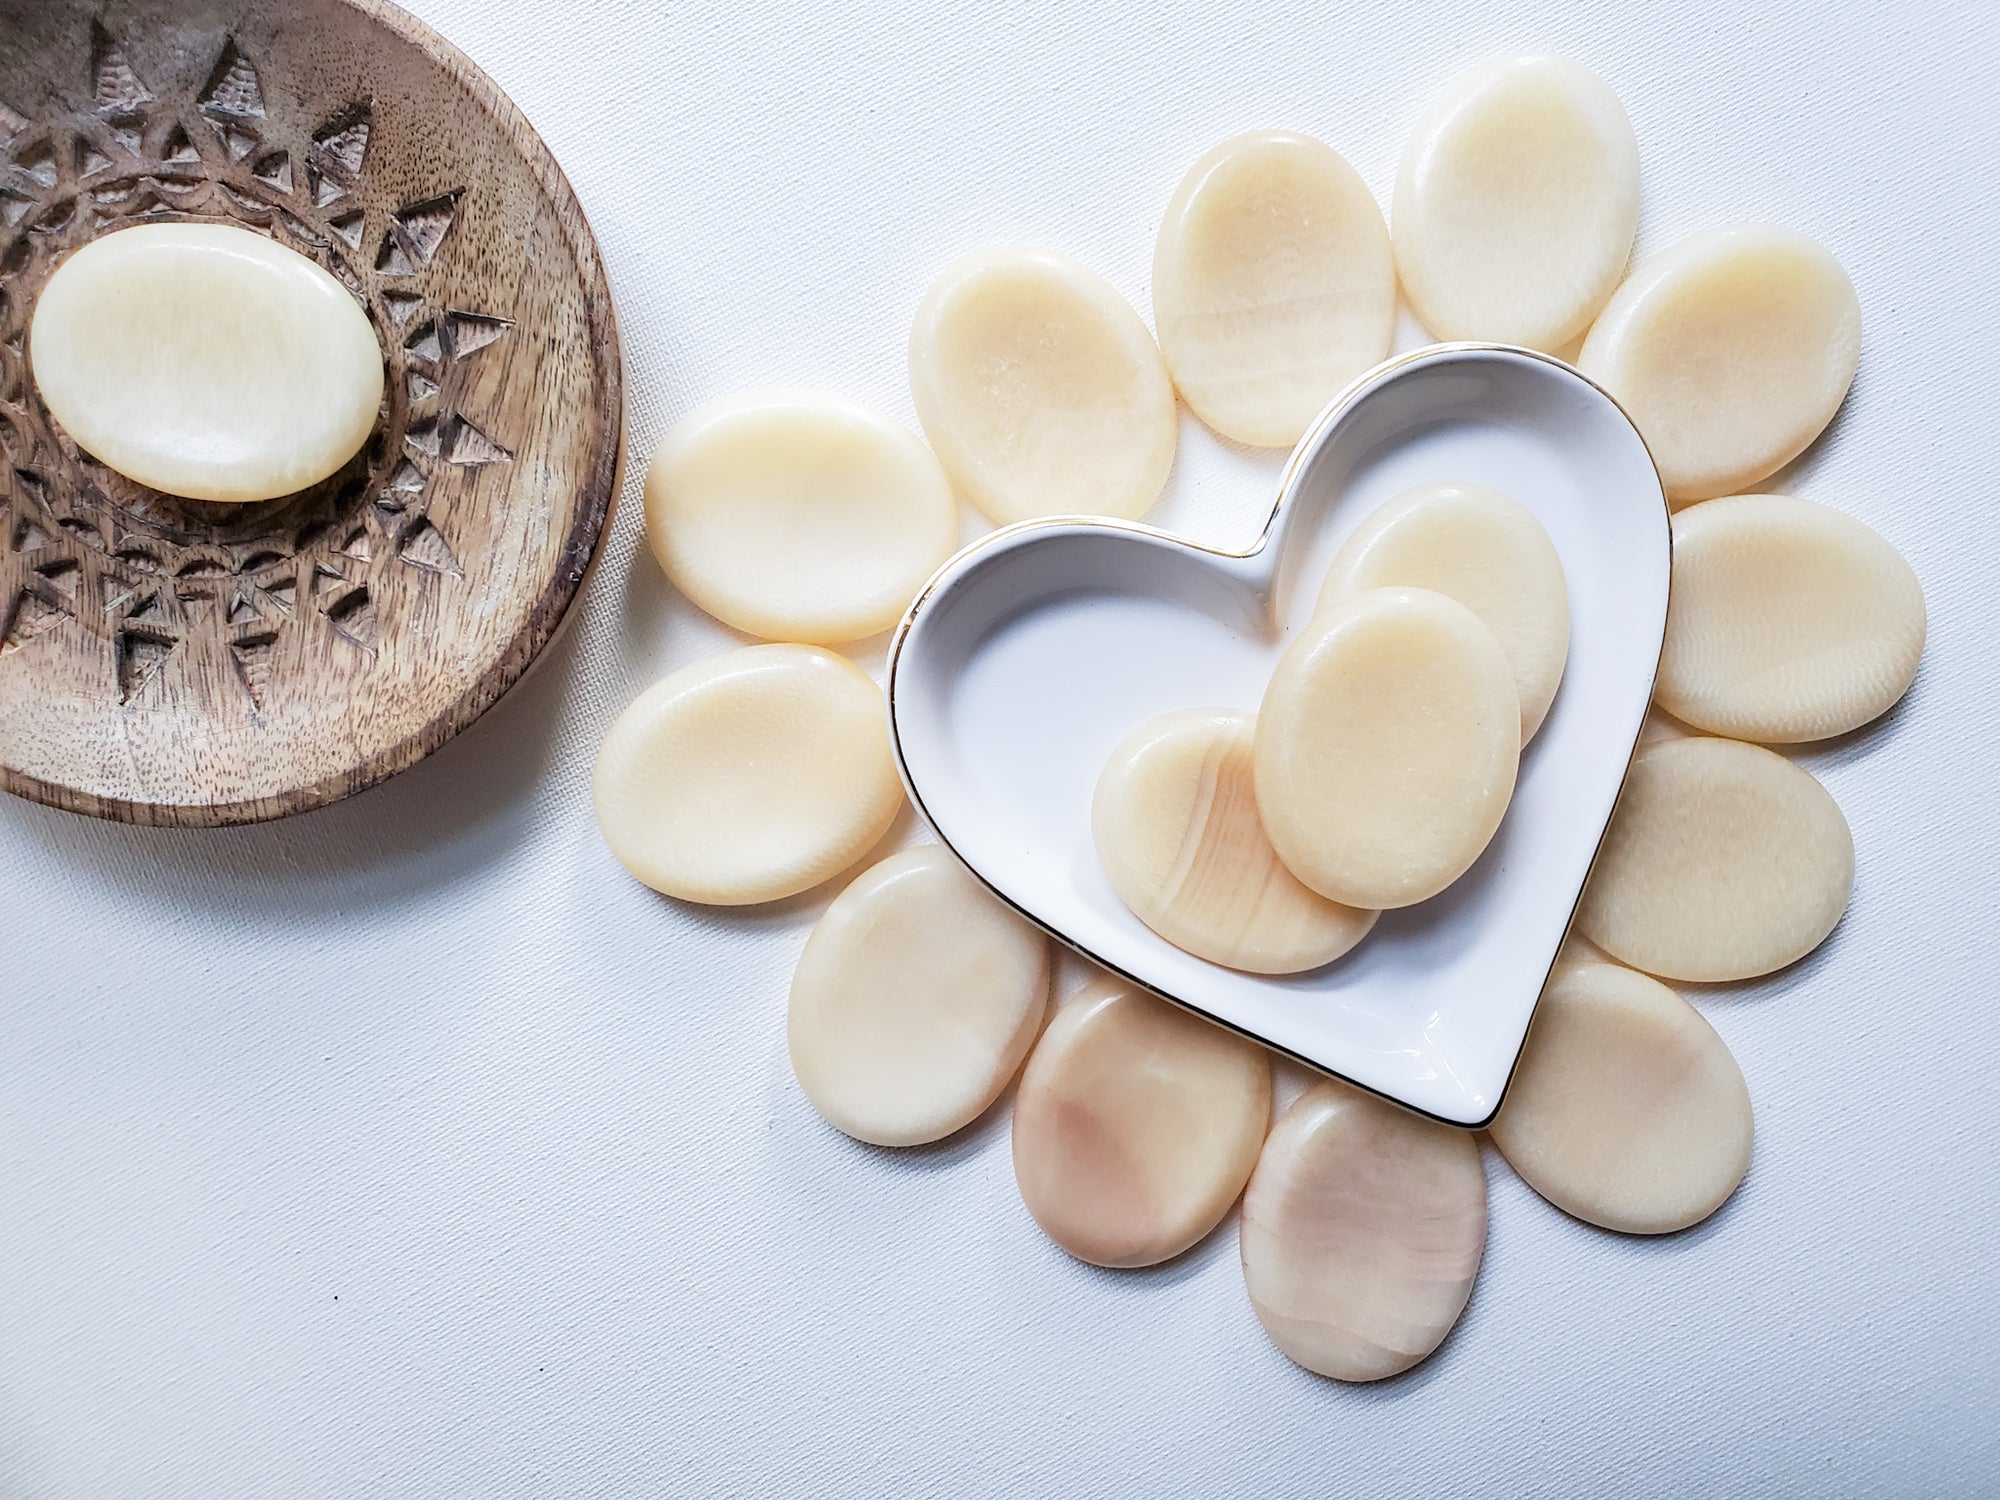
1307 446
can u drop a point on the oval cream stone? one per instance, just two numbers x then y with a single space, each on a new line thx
915 1000
1788 621
798 517
1731 351
1723 861
1626 1109
1136 1126
748 776
1387 747
1040 390
1273 285
206 361
1488 552
1516 203
1363 1229
1175 818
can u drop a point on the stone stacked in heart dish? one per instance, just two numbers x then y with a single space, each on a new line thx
1384 753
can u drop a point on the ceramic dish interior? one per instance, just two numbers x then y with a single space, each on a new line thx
1039 647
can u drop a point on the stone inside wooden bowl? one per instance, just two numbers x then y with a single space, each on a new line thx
179 662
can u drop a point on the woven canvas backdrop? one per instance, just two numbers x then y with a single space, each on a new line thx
409 1148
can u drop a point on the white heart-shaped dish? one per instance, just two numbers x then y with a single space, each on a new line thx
1036 649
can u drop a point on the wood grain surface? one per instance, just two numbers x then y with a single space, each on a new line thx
175 662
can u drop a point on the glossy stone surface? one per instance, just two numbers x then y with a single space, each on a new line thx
1273 284
1731 351
915 1000
748 776
1626 1110
1487 551
1136 1126
798 517
1363 1229
1039 388
1387 747
1176 825
206 361
1724 861
1516 202
1789 621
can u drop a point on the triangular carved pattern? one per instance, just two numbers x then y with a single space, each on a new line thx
80 544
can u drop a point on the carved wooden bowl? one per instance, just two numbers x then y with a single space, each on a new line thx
176 662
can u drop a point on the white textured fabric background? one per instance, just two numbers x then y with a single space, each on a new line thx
408 1148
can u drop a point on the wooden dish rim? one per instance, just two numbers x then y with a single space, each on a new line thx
599 497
